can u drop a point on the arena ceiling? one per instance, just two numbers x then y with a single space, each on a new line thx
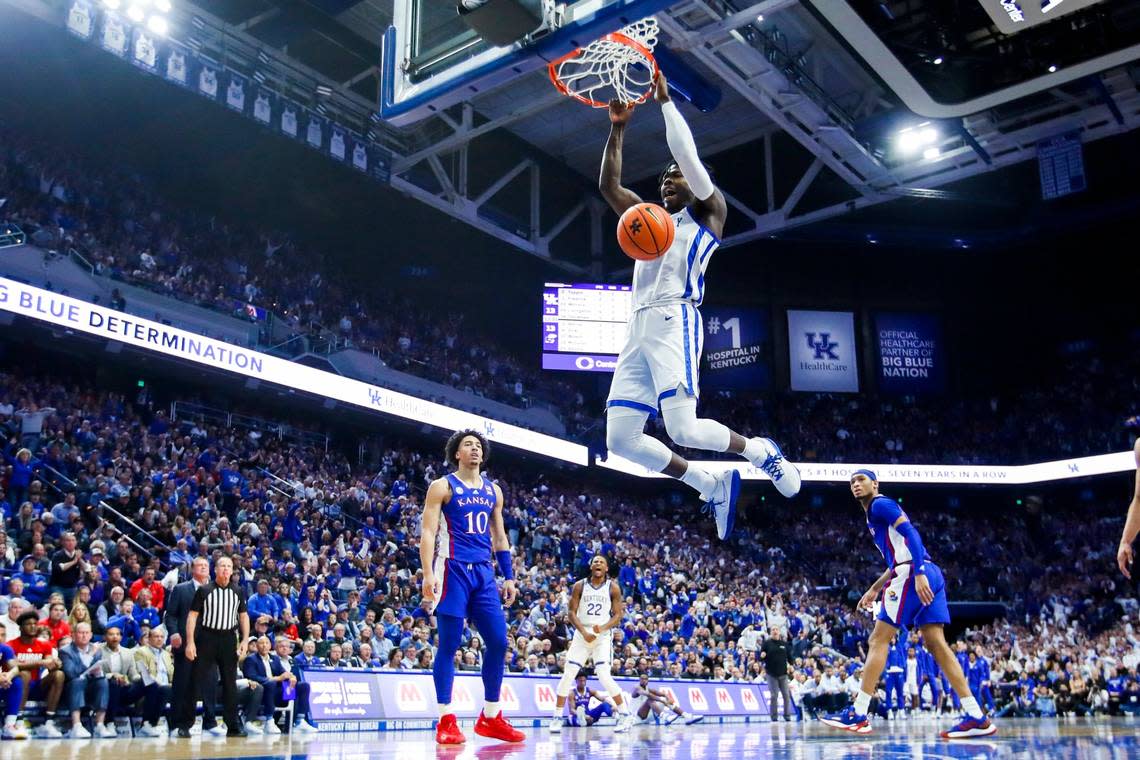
815 95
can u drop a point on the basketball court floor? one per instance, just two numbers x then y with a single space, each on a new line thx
1037 739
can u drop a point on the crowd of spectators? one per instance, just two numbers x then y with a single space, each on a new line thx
329 555
117 220
121 224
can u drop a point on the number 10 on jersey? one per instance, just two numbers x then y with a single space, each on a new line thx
477 522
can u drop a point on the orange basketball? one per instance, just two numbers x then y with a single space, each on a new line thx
645 231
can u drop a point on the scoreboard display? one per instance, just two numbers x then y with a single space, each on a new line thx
583 325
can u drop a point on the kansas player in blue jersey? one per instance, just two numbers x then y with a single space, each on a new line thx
660 360
913 595
462 530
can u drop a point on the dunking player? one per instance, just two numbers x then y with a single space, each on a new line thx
913 594
658 364
596 608
460 577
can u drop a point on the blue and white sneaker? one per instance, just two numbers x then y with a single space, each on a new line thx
848 721
970 727
722 502
785 475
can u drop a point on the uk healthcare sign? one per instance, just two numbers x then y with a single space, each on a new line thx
821 351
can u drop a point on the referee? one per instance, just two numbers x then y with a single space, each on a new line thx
216 614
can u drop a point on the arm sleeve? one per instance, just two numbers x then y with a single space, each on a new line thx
914 543
684 150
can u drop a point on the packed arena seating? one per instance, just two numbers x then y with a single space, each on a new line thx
116 219
338 548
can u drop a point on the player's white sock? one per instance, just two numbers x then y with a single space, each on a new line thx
491 709
972 708
623 708
699 479
445 710
862 702
755 450
557 712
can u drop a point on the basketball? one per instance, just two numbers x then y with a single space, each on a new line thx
645 231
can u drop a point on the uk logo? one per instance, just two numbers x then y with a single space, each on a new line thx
824 347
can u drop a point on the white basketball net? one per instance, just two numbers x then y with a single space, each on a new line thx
610 69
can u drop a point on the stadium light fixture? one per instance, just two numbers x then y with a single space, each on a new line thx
938 61
136 13
158 25
111 5
911 140
162 6
1053 69
931 153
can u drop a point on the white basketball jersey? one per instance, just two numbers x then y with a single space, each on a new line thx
679 274
594 604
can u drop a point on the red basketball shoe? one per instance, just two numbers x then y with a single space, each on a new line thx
498 728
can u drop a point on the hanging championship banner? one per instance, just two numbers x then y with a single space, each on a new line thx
314 133
80 21
114 35
208 82
145 52
359 155
176 69
736 349
235 93
263 106
337 143
289 120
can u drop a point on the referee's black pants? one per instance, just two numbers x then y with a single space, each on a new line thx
217 649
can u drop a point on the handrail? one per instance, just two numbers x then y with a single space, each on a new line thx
104 505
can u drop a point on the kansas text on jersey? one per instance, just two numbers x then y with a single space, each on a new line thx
465 533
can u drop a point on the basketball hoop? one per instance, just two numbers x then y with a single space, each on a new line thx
619 66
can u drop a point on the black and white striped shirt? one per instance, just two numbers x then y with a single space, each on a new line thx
218 607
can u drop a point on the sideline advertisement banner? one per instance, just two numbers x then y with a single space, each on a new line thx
358 695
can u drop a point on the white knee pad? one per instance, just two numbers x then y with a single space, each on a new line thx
680 413
625 436
567 681
607 680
